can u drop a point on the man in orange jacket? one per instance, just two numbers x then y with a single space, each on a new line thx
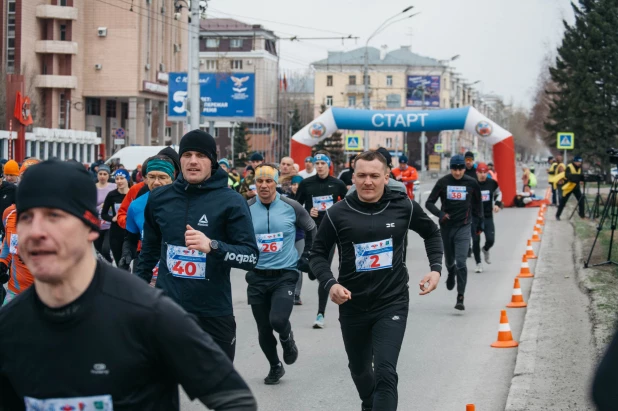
407 175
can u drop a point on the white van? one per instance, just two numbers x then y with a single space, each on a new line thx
130 157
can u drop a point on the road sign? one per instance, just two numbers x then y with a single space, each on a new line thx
353 143
566 141
119 141
438 148
120 133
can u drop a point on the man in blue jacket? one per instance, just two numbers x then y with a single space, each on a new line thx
273 280
198 229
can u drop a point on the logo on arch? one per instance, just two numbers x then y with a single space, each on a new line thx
317 130
483 129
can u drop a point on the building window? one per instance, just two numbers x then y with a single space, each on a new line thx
62 109
63 3
110 109
329 101
389 80
351 101
99 131
10 38
211 65
329 81
63 32
389 142
236 43
236 64
352 80
212 43
93 107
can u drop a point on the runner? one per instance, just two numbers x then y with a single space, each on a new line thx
346 175
309 170
12 267
407 175
7 197
198 229
318 194
129 346
470 167
110 210
459 196
286 168
273 280
11 171
492 203
299 244
159 172
492 173
247 187
372 288
232 182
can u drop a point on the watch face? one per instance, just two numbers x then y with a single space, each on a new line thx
214 244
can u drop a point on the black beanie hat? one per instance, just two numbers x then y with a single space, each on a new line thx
469 154
202 142
61 185
387 156
172 155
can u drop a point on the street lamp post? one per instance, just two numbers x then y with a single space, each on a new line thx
366 65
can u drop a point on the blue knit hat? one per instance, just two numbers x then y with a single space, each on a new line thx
458 161
403 159
578 159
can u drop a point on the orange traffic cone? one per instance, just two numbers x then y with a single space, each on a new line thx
524 271
517 300
470 407
535 236
540 221
505 338
529 251
538 229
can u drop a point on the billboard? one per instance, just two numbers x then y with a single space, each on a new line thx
429 85
223 95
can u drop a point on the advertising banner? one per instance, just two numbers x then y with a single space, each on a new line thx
223 95
427 85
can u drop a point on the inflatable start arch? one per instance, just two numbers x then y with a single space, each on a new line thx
467 118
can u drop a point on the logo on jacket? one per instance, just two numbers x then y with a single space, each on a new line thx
99 369
240 258
483 129
203 221
390 225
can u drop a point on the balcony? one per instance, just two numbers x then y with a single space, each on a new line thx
356 89
47 11
55 81
55 47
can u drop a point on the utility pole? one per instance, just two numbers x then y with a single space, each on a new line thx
194 66
423 137
366 94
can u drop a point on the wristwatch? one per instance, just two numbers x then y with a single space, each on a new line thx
214 245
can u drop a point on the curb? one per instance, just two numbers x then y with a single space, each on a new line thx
517 399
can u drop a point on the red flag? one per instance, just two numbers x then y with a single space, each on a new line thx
285 83
22 109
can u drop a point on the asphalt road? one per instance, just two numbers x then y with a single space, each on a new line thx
446 360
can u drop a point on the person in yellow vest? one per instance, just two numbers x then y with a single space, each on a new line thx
557 180
573 176
551 172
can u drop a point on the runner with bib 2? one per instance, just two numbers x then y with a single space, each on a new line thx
272 282
372 287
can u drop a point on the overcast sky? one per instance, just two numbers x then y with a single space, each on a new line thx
501 42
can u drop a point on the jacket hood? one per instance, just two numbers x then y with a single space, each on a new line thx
217 180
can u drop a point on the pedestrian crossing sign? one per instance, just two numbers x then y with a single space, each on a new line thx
353 143
438 148
566 141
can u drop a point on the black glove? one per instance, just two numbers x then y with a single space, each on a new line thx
4 273
303 263
127 256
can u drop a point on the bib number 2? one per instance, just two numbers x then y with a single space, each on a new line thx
185 263
376 255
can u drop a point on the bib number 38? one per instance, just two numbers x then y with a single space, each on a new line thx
376 255
185 263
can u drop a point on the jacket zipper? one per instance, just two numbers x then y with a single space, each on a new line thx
187 208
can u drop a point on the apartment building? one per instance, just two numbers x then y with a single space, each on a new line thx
398 80
97 65
229 46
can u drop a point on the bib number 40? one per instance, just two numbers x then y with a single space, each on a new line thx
187 268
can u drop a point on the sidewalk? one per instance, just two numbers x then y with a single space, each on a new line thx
556 357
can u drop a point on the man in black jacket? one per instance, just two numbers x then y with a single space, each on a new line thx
492 203
198 229
372 288
460 196
346 175
318 194
129 345
470 168
573 176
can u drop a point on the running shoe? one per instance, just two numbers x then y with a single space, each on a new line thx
319 321
297 300
479 268
460 303
274 375
486 256
450 282
290 351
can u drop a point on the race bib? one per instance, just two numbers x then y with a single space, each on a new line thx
486 195
270 243
374 256
99 402
457 193
323 203
117 207
185 263
252 187
13 244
